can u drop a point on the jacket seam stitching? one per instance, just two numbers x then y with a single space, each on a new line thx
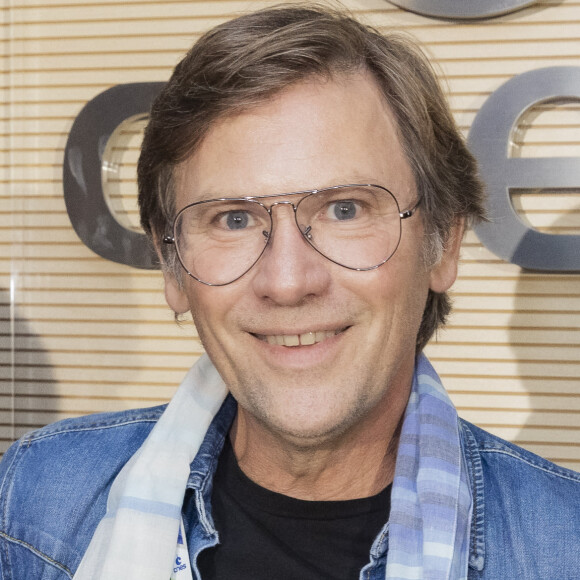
531 464
95 426
5 557
384 534
477 539
5 492
475 499
6 487
199 492
38 553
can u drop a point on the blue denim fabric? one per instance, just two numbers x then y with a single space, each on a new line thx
54 484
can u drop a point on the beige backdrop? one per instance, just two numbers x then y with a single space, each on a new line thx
80 335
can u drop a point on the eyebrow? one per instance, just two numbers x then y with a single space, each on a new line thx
222 193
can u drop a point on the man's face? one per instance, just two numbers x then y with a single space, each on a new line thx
315 134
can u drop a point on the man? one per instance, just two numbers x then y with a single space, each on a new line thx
306 189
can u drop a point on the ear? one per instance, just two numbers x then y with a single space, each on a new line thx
444 273
175 297
174 294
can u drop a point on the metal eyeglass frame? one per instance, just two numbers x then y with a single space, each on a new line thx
403 215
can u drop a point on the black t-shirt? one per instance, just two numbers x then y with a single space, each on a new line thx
267 535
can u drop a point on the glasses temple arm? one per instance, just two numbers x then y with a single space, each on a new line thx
409 212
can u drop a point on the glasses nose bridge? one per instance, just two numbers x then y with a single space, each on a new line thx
282 202
293 205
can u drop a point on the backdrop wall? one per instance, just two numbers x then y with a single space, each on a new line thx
80 334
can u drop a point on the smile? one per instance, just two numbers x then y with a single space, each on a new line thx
304 339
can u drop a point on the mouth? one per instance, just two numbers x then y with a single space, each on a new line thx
304 339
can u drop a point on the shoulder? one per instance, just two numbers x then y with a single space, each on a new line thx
496 452
54 484
526 509
96 423
84 448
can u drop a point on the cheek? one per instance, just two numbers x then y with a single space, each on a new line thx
400 297
211 310
204 317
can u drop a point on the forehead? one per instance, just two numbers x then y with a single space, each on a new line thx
316 133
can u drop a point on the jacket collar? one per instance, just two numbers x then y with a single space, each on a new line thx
475 473
204 465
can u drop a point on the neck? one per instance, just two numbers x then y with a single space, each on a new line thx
359 463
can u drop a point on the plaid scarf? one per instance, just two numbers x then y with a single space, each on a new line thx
430 499
141 535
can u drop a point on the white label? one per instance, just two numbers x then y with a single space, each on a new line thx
181 565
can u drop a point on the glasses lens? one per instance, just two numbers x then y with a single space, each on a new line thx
355 226
219 241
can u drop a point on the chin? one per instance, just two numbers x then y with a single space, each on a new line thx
307 431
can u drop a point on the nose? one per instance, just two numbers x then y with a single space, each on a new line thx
290 270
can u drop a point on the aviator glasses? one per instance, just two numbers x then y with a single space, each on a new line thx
355 226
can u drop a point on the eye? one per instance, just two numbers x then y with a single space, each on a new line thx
344 209
235 220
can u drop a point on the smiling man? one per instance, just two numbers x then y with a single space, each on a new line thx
317 355
307 190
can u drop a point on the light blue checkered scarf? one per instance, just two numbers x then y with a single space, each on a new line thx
138 537
430 499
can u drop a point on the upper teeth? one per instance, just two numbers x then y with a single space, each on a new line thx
300 339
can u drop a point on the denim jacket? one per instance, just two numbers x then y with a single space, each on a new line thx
54 484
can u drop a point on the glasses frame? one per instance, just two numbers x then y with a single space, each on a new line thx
403 215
